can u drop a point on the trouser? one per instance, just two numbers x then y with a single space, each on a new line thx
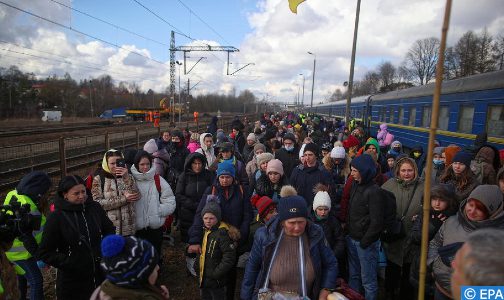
153 236
438 295
397 278
363 268
213 294
32 277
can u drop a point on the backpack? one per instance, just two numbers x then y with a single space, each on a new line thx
390 209
477 167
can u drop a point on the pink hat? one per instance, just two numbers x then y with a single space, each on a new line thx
275 165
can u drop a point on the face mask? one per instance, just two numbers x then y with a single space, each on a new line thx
417 154
289 148
397 149
437 162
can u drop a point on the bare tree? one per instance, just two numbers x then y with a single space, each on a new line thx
498 52
466 53
421 59
387 74
484 59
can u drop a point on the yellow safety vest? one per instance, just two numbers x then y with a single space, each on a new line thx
18 251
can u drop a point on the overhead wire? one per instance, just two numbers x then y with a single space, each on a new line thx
80 32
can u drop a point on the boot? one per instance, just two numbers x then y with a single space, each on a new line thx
190 266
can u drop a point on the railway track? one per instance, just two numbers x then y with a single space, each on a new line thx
75 155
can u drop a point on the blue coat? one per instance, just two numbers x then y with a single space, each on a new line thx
323 259
236 210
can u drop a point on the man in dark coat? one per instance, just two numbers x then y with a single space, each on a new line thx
212 127
305 177
178 153
288 154
365 223
239 138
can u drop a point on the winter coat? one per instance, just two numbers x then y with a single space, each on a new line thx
384 137
365 210
208 152
304 179
414 242
235 208
437 170
333 234
408 199
153 207
289 159
420 162
240 142
456 229
190 188
240 173
264 187
247 150
111 198
109 291
71 242
193 146
160 156
322 257
251 167
465 192
218 257
212 127
485 157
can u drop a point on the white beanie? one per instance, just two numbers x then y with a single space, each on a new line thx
322 198
338 152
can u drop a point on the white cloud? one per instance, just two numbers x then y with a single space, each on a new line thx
277 45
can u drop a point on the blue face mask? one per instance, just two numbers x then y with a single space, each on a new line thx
289 148
437 162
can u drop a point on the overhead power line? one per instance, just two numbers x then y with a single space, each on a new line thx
80 32
202 21
111 24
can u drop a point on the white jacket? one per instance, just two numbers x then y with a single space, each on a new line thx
208 152
151 210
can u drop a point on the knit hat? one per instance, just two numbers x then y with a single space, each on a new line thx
488 195
350 142
289 136
338 152
292 207
438 150
226 146
463 157
262 204
195 136
312 147
214 208
226 168
251 136
34 185
287 190
322 198
128 261
263 158
151 146
259 146
275 165
396 144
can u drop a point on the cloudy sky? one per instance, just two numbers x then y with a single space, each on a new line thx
124 39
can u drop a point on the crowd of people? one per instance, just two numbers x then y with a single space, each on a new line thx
296 200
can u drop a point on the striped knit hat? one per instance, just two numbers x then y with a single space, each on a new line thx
128 261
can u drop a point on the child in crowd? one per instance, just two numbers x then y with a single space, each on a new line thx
131 269
218 252
194 142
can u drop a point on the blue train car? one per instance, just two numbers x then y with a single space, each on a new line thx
468 106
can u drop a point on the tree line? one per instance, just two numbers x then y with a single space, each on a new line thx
474 53
22 95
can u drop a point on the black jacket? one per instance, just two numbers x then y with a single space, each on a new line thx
289 159
240 141
333 234
219 259
264 187
304 179
71 242
190 188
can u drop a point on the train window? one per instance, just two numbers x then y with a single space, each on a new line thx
383 114
426 116
495 120
466 115
401 115
412 116
391 120
444 117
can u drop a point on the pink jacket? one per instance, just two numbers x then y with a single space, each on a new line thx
384 137
193 146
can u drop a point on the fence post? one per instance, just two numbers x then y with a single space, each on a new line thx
107 141
62 153
159 131
137 137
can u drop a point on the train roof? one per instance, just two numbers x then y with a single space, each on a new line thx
359 99
485 81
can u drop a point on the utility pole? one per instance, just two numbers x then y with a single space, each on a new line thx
302 101
172 75
313 77
352 64
179 91
91 100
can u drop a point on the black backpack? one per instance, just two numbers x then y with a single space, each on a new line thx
389 212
